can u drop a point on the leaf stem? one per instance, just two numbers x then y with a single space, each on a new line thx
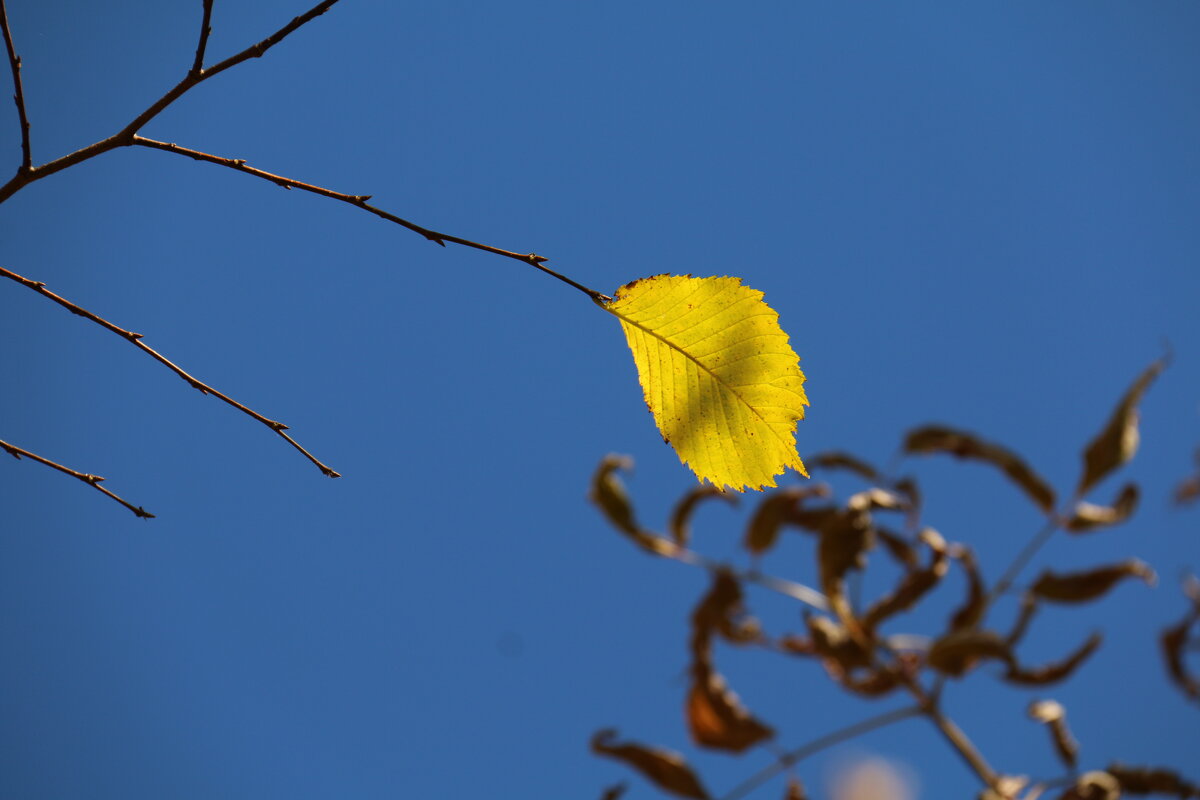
136 340
796 591
1023 558
792 757
89 479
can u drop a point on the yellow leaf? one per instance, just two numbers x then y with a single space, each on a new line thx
724 385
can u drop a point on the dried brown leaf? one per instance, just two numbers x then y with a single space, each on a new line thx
795 790
938 439
835 644
721 610
1054 716
664 768
899 547
876 498
958 651
1088 516
1093 786
836 459
1174 642
1188 490
615 791
609 494
1082 587
971 611
1056 671
1118 441
681 516
914 585
1153 780
716 716
773 512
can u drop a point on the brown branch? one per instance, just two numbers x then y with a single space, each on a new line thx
136 340
91 480
14 62
125 136
205 31
360 201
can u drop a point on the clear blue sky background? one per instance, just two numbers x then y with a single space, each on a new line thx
982 215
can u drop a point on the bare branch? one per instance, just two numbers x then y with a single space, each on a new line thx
205 31
136 340
90 480
360 200
125 136
19 96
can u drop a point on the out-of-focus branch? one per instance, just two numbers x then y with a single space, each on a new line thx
205 31
360 200
18 94
136 340
91 480
124 137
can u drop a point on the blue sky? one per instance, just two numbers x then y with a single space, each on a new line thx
983 216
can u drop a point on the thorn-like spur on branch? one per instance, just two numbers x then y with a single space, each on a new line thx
205 32
360 200
136 340
14 62
124 137
91 480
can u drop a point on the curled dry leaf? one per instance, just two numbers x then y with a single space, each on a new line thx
615 791
795 790
836 459
1174 642
959 651
898 546
773 512
681 517
716 716
664 768
938 439
1189 488
718 373
971 611
1054 716
1153 780
1093 786
608 493
1118 442
1082 587
915 584
1056 671
1088 516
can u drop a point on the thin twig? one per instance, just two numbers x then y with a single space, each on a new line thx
1028 552
796 591
360 200
90 480
124 137
954 735
792 757
14 61
136 340
205 31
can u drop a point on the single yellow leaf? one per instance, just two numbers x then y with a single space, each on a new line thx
718 374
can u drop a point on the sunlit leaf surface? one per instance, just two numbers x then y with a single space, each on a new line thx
718 373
